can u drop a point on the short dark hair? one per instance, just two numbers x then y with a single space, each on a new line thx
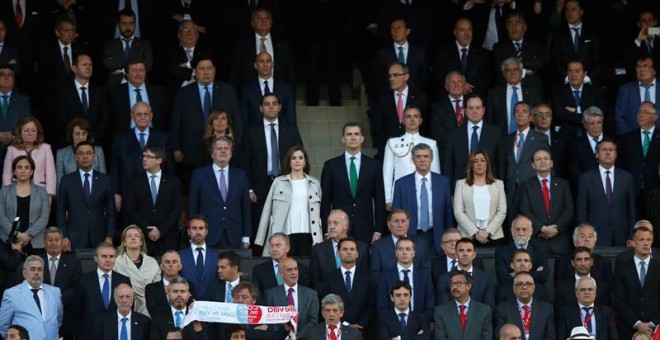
473 96
578 250
401 284
607 140
158 150
272 94
468 277
22 332
231 257
405 238
125 12
201 57
465 240
83 143
233 328
350 124
346 239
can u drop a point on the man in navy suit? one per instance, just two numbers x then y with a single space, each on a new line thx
113 324
569 101
405 270
584 235
193 105
599 319
170 320
127 149
643 89
85 203
62 270
430 203
481 290
154 201
200 265
448 261
383 251
326 252
265 83
32 304
266 275
156 292
582 263
229 276
558 138
95 290
17 107
606 198
354 284
400 320
583 149
222 193
364 201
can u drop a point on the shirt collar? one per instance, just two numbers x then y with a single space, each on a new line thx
347 156
480 124
216 168
400 268
157 174
258 37
267 123
194 247
119 316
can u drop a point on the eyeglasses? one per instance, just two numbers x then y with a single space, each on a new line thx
458 284
584 290
396 75
524 284
149 157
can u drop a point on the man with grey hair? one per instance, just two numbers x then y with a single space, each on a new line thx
583 154
584 235
32 304
597 319
123 321
267 274
429 205
332 309
558 140
503 98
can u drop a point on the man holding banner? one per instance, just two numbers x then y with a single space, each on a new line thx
332 308
173 319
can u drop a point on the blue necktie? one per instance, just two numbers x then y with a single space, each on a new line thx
519 148
5 105
83 95
576 96
514 101
401 57
154 191
127 47
199 266
349 285
228 297
143 141
474 139
177 319
337 259
402 320
647 93
587 312
266 88
424 207
207 103
123 335
464 59
105 292
406 278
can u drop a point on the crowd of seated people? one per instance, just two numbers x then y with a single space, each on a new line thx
523 127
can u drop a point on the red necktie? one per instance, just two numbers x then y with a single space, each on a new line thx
19 14
546 195
526 319
459 112
463 316
332 335
399 107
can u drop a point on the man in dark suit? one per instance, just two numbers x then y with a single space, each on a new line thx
265 149
462 317
364 201
242 71
481 288
644 44
153 201
575 40
85 203
465 55
448 261
123 97
584 235
171 319
8 54
428 218
117 52
582 264
610 207
221 193
583 149
127 150
474 135
62 270
447 113
534 317
57 55
636 296
106 18
642 155
332 309
548 202
193 105
180 58
292 293
387 117
77 98
25 34
354 284
516 44
571 100
200 265
156 292
520 262
229 276
17 107
401 321
265 83
326 252
632 95
266 275
383 251
95 290
403 51
503 98
520 147
599 319
405 270
521 232
558 138
245 293
112 325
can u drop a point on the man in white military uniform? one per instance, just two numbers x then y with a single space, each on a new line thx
397 161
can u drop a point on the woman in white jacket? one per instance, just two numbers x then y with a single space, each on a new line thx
293 206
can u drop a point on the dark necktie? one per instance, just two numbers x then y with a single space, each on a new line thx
406 279
608 187
514 101
349 285
87 192
223 185
518 48
5 105
83 95
464 60
19 15
646 142
353 176
199 265
67 60
424 220
587 319
453 265
142 140
402 320
207 103
649 44
458 109
266 88
289 297
138 95
400 56
105 291
576 96
154 190
275 151
127 46
253 4
642 273
474 140
127 4
576 38
36 298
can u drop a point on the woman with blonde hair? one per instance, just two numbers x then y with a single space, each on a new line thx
133 261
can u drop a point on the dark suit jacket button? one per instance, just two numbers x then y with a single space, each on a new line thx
314 234
311 209
280 192
310 197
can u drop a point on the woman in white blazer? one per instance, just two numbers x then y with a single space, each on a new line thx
480 202
293 206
